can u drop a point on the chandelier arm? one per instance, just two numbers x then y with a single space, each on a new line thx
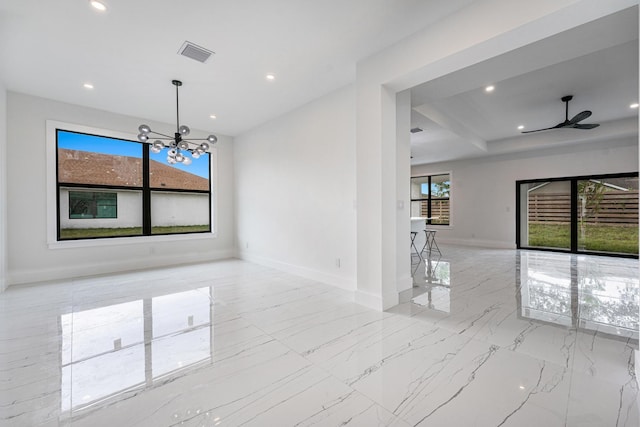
162 134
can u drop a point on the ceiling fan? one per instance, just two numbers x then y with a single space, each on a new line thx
574 122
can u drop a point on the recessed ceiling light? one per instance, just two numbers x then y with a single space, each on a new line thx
520 127
489 88
634 105
213 116
88 86
98 5
270 77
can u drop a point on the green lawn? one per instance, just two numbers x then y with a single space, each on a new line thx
607 238
81 233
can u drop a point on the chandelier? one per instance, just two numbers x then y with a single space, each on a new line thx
180 149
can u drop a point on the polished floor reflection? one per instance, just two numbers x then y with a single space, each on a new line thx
485 338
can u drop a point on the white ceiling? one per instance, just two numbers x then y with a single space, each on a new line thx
50 48
129 54
597 63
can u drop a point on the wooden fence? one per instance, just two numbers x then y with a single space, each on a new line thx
439 210
615 208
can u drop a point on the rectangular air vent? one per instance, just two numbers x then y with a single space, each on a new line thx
194 51
415 130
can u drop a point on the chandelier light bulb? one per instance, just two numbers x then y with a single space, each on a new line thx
179 157
171 160
204 146
157 146
186 161
143 137
184 130
144 129
183 145
172 152
212 139
195 154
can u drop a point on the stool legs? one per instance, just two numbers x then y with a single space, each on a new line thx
430 236
413 244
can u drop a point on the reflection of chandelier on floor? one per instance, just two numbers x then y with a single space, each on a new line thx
178 147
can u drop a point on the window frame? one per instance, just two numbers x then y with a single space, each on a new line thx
53 194
573 181
431 198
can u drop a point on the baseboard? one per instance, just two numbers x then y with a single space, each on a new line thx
112 267
376 302
345 283
480 243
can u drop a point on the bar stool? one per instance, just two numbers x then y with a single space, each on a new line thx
430 242
413 244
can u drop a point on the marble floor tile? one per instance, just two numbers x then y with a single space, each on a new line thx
486 337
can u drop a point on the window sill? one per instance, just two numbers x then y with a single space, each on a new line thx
117 241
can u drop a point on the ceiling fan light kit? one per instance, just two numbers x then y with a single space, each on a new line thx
179 148
573 123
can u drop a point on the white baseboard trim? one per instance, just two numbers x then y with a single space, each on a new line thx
480 243
113 267
345 283
376 302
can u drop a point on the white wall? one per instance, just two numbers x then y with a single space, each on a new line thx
3 187
31 259
169 209
295 186
483 190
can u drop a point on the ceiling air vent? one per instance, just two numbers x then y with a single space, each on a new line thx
415 130
194 51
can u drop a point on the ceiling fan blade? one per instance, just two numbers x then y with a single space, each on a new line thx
538 130
585 126
580 117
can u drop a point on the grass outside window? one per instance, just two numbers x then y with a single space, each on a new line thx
88 233
597 238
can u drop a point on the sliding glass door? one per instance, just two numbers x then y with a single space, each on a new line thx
608 215
546 214
588 214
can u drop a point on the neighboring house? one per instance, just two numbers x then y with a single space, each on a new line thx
117 207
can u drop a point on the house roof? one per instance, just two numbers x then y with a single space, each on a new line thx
85 167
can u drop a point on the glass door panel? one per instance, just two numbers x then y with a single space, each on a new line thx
545 214
608 215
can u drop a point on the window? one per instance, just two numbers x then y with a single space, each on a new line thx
114 187
586 214
93 204
430 198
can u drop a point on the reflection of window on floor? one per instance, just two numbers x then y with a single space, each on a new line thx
104 352
575 291
435 282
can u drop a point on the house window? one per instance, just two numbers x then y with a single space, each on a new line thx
93 204
114 187
430 196
596 214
